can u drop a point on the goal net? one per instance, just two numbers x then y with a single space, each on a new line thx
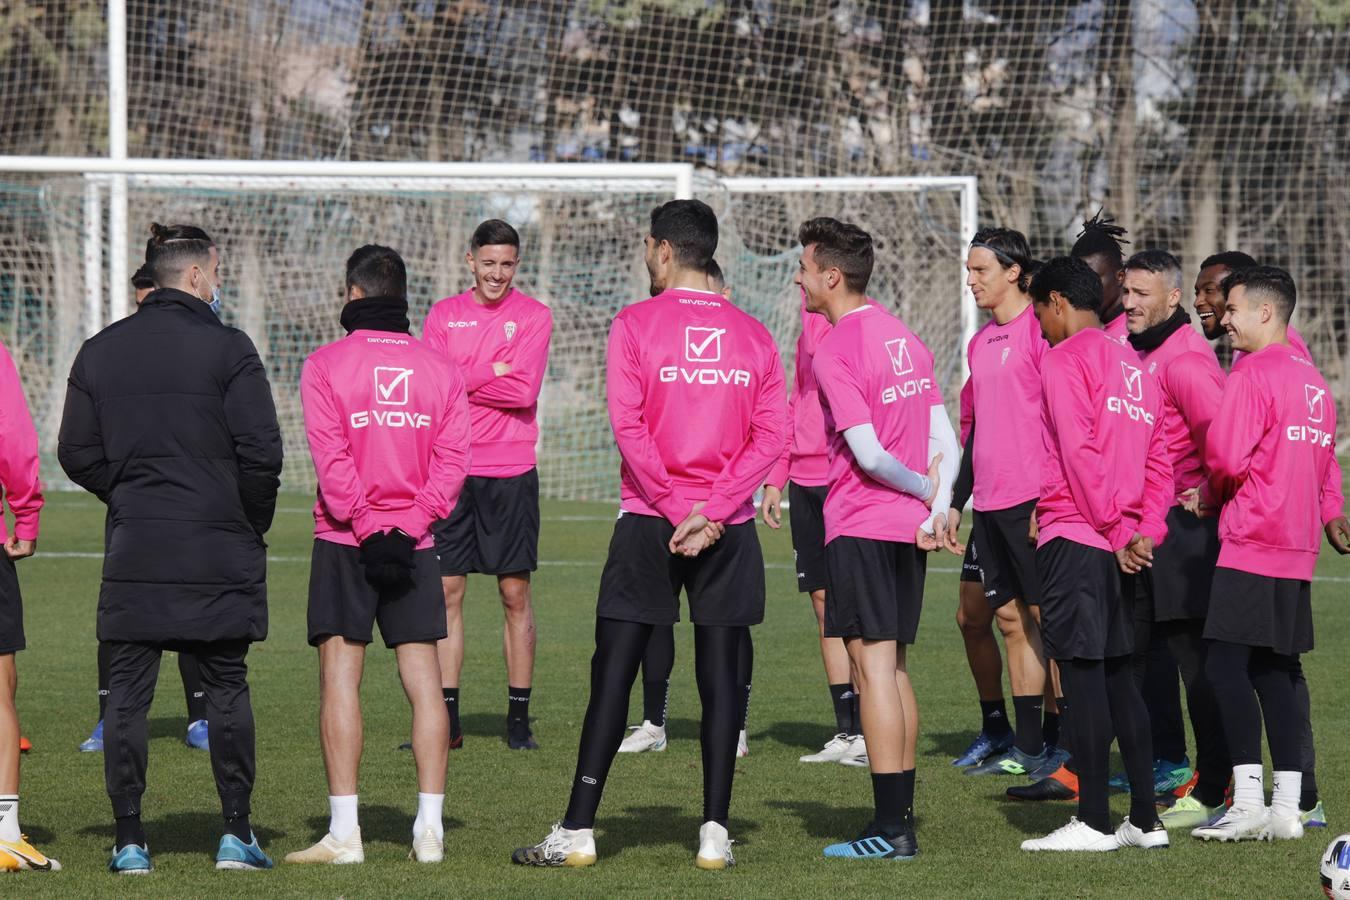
284 241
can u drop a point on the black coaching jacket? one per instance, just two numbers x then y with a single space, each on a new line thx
169 420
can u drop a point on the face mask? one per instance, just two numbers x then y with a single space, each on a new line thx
214 303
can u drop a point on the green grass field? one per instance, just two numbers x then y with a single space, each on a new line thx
783 812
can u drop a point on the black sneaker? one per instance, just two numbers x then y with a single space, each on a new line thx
1062 785
521 740
874 843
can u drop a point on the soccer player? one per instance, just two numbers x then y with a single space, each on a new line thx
659 659
498 338
169 419
1099 245
1271 459
388 428
698 404
1005 390
805 469
1172 595
143 283
884 415
1105 484
1209 289
23 492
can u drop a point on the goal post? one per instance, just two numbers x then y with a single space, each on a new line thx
286 228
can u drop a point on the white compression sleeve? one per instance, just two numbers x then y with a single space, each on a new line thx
942 439
873 459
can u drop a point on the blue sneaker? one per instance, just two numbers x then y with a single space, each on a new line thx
982 748
133 859
196 736
873 844
94 743
1057 757
235 854
1014 762
1167 776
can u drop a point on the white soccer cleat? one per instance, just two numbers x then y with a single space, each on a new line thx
428 848
835 749
714 847
743 744
645 737
562 847
331 851
857 753
1075 837
1240 823
1129 835
1283 828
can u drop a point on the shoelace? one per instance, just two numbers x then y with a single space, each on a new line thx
556 842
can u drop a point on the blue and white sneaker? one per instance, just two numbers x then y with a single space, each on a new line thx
982 748
133 859
1056 757
873 844
1167 776
94 743
235 854
1013 762
197 736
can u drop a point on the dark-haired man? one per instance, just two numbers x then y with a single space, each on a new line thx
1208 290
1099 245
169 419
885 419
388 428
1104 488
498 337
1271 460
698 404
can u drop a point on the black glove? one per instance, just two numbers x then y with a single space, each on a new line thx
388 558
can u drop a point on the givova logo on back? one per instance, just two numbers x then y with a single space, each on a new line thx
1133 379
703 345
902 363
391 389
1315 398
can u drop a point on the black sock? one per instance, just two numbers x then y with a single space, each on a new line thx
655 696
1308 798
240 828
1030 739
518 710
841 697
451 697
907 795
1050 728
129 831
888 796
994 718
857 715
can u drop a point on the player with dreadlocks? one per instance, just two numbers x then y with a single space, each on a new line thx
1099 245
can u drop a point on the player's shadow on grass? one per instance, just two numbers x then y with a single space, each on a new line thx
802 735
386 824
827 821
1036 819
484 725
950 744
168 726
651 826
187 832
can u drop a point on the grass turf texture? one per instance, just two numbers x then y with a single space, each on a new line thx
783 812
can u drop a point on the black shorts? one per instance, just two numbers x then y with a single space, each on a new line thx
343 604
642 578
494 529
1179 582
970 565
1007 557
806 512
1087 607
11 608
876 589
1260 611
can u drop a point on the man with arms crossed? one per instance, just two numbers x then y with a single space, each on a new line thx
698 404
884 416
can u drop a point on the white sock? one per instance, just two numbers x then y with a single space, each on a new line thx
9 817
1249 787
1284 801
342 816
429 815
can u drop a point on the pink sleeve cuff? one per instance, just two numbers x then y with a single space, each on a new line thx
478 375
778 475
1119 538
363 525
719 508
26 528
674 507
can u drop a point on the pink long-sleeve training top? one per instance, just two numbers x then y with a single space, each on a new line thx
388 428
1005 395
1271 458
873 370
1105 473
502 408
806 457
1188 372
698 404
18 455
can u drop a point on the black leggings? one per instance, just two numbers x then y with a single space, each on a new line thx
1104 699
1234 670
658 661
1188 647
619 648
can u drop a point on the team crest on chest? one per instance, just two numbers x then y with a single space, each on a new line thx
1003 360
510 329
